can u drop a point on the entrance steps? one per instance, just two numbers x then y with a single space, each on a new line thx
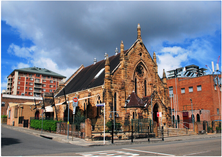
175 132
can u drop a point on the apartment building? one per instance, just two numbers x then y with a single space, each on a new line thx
33 81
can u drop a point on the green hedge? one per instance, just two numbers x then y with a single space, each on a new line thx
3 116
48 125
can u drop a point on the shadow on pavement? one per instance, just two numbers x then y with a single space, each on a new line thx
9 141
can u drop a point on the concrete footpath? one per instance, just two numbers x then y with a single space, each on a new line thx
82 142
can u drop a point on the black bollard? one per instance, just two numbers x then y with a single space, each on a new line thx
148 134
112 133
162 134
132 135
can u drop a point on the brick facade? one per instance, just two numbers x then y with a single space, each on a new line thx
31 82
204 95
17 108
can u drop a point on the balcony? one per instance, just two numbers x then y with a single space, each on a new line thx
38 81
37 91
37 86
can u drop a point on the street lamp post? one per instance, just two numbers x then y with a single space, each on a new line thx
192 113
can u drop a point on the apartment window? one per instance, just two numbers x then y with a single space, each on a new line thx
218 111
190 89
30 88
18 92
43 90
50 86
171 91
44 85
51 81
31 79
37 75
19 82
50 90
30 93
18 87
30 75
31 84
199 88
182 90
44 80
22 94
26 82
19 78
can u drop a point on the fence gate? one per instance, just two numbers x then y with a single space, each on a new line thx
141 125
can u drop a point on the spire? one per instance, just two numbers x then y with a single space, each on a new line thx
154 57
121 51
121 47
164 78
138 31
164 73
107 60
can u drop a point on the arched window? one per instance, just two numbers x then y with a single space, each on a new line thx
145 86
135 85
173 118
198 118
133 115
178 118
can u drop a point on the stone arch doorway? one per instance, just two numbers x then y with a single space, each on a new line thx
37 114
155 118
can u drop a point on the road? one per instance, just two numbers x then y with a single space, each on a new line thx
16 143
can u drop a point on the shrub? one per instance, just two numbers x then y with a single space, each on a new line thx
48 125
209 129
109 125
3 116
218 128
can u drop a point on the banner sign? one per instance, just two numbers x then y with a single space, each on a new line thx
159 114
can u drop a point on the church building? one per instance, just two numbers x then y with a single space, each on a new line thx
127 82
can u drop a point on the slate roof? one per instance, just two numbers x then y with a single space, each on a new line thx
85 79
133 101
36 70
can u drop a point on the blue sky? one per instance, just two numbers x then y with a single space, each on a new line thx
60 36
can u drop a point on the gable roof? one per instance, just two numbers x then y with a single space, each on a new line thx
90 76
36 70
133 101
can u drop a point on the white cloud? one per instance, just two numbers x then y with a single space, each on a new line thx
49 64
23 52
199 51
21 65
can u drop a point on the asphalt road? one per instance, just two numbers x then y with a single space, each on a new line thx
16 143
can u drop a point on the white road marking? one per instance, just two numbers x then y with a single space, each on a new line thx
108 153
143 151
197 153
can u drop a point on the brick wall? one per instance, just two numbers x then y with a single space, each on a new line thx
207 99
